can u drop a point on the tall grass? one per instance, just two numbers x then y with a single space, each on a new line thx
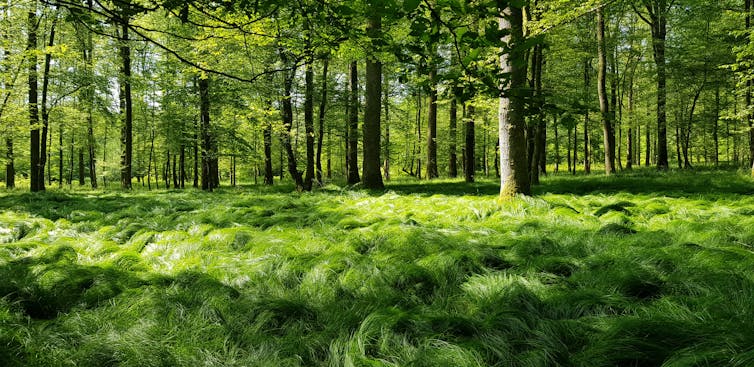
642 269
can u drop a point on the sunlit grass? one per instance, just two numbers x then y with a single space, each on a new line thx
642 269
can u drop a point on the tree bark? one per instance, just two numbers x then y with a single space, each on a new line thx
287 110
432 171
309 174
45 111
209 153
452 147
657 20
322 112
352 158
587 150
607 123
31 46
470 146
514 175
126 106
372 177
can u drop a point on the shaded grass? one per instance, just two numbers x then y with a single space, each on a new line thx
636 270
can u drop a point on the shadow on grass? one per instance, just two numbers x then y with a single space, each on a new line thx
674 183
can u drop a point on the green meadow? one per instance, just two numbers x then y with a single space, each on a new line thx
641 269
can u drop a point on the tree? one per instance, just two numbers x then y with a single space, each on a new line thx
607 120
514 173
656 17
372 177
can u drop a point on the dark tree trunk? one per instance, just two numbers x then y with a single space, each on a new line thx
453 166
309 174
126 106
587 150
37 180
322 112
657 20
432 171
82 175
196 155
514 175
10 169
352 159
605 113
89 96
287 105
716 127
182 168
268 174
45 111
386 105
151 159
470 147
372 177
210 180
557 144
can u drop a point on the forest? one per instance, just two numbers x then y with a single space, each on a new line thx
376 183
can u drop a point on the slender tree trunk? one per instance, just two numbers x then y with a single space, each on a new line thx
386 105
750 115
82 175
151 158
575 146
453 166
657 12
126 106
607 123
557 143
716 127
568 150
587 150
322 114
268 174
195 143
209 154
417 148
31 46
182 164
287 105
309 174
470 146
353 126
514 175
10 169
45 111
88 54
432 171
372 177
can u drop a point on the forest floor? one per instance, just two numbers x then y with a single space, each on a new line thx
641 269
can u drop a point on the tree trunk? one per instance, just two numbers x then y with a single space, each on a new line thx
268 174
469 164
309 174
386 105
126 106
607 123
716 127
514 175
557 144
322 111
432 171
352 160
372 177
287 105
88 95
82 175
587 150
37 181
210 180
45 111
657 20
453 166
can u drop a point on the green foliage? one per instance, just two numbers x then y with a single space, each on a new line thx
642 269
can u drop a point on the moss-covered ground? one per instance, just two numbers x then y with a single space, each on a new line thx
641 269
